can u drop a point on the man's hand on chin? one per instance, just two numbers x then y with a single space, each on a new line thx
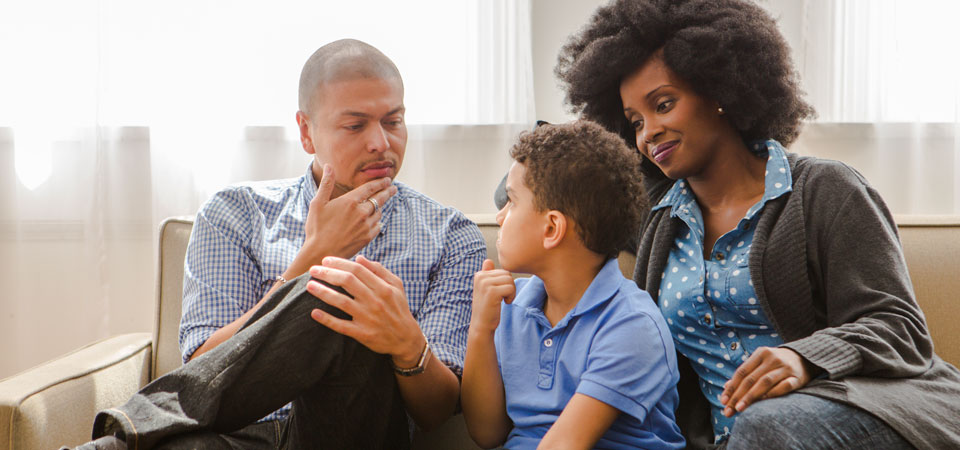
342 226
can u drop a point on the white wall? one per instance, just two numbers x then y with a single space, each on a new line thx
553 22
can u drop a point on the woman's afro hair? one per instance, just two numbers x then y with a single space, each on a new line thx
730 51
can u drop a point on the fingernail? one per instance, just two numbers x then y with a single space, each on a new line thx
727 412
741 405
724 398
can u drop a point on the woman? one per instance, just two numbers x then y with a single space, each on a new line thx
781 277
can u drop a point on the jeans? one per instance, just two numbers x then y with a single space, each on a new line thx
802 421
344 395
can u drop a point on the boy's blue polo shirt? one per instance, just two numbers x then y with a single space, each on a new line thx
614 346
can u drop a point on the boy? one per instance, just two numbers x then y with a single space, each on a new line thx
576 356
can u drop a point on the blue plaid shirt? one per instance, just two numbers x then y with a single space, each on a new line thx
247 234
710 304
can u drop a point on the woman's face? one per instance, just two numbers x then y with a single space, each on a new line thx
676 128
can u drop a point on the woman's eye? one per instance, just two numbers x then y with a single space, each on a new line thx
664 105
637 124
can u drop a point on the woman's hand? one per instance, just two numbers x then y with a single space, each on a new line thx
769 372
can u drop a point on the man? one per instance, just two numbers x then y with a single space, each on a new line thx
388 337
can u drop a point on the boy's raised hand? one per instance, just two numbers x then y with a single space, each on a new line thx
490 287
481 392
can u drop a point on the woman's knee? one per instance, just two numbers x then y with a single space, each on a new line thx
762 425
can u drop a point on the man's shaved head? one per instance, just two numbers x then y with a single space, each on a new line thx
346 59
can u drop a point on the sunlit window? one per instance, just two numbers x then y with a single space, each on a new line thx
207 69
895 61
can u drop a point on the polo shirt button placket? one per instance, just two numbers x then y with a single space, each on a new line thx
547 359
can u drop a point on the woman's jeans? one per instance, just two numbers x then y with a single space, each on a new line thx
344 395
802 421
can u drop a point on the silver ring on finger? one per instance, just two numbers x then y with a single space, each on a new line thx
376 205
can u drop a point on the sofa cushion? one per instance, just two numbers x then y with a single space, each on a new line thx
931 246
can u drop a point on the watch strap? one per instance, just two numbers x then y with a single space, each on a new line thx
421 364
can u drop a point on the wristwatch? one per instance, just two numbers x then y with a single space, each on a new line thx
421 365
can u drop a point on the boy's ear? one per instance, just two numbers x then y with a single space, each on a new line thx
555 230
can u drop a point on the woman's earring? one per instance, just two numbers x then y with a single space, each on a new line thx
720 110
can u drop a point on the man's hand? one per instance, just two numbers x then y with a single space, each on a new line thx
769 372
344 225
381 316
383 323
490 287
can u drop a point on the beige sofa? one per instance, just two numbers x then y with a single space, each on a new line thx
54 404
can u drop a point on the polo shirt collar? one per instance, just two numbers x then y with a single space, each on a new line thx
603 287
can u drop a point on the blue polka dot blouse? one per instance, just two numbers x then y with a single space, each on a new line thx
709 302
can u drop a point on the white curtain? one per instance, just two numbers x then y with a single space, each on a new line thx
116 114
885 79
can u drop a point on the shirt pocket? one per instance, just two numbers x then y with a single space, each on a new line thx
739 293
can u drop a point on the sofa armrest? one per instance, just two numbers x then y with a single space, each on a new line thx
54 404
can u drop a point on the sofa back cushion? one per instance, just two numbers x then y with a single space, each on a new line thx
174 235
931 247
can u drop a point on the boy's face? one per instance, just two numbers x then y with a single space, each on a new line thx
520 239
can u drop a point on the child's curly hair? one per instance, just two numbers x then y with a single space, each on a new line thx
589 175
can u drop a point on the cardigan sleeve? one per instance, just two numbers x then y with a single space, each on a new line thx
860 283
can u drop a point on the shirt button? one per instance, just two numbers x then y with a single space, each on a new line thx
718 255
548 343
734 346
707 319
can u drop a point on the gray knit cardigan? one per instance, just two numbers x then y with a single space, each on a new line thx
829 272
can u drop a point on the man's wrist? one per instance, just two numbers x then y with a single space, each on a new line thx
312 252
412 361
